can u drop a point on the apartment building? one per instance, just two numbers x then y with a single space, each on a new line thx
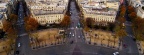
48 12
99 10
138 5
3 15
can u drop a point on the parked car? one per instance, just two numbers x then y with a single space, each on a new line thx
116 53
19 44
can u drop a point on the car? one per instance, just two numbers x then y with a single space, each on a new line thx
78 36
71 42
116 53
17 52
73 34
19 44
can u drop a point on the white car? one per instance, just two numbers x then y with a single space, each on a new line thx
19 44
116 53
73 34
78 36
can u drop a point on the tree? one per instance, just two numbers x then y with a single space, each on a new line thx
31 24
130 9
117 28
121 33
121 19
13 18
66 21
6 25
114 37
139 37
11 32
10 43
132 16
90 22
138 24
86 28
122 10
111 26
122 13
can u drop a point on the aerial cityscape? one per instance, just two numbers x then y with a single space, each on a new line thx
71 27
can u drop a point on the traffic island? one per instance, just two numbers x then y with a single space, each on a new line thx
5 47
46 38
102 38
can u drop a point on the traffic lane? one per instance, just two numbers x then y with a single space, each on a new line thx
79 36
55 50
129 30
21 39
96 49
25 48
131 46
72 35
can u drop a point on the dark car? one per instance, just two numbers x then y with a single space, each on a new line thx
17 52
134 39
71 42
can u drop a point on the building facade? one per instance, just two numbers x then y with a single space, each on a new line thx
3 13
100 10
48 12
138 4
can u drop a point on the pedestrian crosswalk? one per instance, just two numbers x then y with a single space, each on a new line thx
75 28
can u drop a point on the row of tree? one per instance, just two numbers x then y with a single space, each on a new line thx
120 26
131 13
9 26
90 23
66 21
137 23
31 24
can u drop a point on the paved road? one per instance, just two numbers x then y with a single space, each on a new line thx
79 47
22 35
131 44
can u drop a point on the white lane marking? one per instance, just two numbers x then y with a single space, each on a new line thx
23 34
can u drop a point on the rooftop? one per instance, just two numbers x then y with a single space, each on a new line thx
3 7
42 12
47 7
98 8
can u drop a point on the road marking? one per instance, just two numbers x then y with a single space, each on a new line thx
23 34
83 52
75 35
75 28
